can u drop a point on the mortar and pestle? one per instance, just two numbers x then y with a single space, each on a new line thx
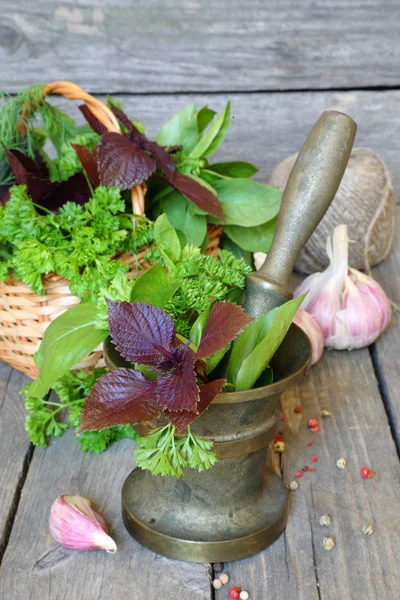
239 507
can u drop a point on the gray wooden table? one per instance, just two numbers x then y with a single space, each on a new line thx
281 64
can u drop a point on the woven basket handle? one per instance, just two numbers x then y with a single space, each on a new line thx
105 116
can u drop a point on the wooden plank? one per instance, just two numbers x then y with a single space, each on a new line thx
35 567
176 45
14 447
266 128
387 355
297 566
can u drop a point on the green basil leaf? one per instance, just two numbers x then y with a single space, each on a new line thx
196 332
210 177
204 117
181 130
184 219
70 338
234 169
246 202
260 345
252 239
167 240
214 136
213 361
154 286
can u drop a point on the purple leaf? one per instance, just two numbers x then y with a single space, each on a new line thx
207 394
93 121
28 173
75 189
178 390
141 332
197 193
122 397
88 163
177 357
121 116
164 161
224 323
122 163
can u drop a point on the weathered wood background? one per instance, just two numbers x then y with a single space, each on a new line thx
281 64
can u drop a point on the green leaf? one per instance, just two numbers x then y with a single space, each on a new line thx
204 117
246 202
213 361
154 286
266 377
254 239
184 219
214 136
167 240
69 339
258 343
234 169
181 130
198 326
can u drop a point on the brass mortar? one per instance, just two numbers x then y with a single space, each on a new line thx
238 507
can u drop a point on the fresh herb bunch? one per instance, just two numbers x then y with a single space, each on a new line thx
43 414
78 243
168 376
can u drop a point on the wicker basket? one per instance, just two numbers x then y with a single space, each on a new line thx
24 316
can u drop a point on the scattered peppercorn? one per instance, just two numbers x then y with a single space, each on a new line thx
217 584
312 470
325 413
341 463
298 474
314 458
305 468
313 423
325 521
293 485
224 577
328 543
309 443
297 409
282 417
314 429
368 529
367 473
278 437
234 592
244 595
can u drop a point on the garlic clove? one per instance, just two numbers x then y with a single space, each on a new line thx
76 525
309 325
371 288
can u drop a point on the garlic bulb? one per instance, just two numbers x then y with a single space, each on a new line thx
351 308
74 524
309 325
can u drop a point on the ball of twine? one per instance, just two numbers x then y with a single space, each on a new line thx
364 202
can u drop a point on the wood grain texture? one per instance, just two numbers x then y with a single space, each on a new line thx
265 128
359 567
181 45
35 567
387 355
14 446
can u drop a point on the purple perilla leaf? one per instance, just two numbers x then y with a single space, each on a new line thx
225 321
142 333
122 397
178 389
207 393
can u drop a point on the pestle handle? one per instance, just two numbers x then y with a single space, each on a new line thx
311 187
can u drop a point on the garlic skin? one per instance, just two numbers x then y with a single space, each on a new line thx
351 308
75 525
313 331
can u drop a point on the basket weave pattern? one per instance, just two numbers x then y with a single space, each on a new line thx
24 316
